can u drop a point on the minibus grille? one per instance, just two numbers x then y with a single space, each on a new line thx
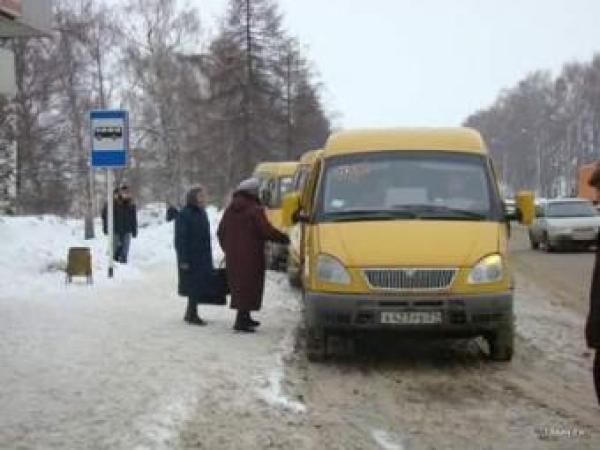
410 279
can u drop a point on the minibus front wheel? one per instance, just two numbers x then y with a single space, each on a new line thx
316 344
501 343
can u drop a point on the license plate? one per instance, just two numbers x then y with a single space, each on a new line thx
411 318
582 236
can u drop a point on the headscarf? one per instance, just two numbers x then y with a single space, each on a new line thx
250 186
190 199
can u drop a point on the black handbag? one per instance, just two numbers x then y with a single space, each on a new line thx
220 289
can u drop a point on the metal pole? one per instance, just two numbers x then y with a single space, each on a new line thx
89 213
110 222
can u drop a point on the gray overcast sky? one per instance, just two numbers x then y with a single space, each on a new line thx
431 62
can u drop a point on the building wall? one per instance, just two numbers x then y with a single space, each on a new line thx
35 18
11 8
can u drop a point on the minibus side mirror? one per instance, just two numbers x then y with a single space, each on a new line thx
525 207
290 207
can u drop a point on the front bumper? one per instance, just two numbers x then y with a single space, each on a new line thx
462 315
573 238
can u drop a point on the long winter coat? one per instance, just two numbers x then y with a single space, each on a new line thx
193 247
125 217
592 326
242 233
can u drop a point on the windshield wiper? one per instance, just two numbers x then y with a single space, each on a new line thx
442 212
371 215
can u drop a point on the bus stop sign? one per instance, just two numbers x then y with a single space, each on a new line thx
110 138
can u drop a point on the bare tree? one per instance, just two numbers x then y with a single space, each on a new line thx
196 116
541 130
151 59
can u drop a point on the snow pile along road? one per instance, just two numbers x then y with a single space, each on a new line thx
35 248
113 365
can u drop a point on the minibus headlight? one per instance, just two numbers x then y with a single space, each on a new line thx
489 270
330 270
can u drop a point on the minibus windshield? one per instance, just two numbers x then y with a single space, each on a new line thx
422 185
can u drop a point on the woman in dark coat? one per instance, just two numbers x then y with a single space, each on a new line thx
242 233
592 326
194 254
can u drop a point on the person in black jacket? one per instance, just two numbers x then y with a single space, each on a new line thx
592 326
194 255
124 223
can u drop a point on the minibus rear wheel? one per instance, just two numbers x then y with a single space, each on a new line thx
501 343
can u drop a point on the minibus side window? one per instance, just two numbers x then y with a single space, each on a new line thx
309 192
273 193
265 192
495 192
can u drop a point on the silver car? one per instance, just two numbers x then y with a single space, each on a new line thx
561 223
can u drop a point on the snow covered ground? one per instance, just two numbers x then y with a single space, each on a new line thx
113 365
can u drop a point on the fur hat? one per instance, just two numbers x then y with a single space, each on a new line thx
250 185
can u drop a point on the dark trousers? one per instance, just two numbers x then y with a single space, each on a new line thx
121 243
597 374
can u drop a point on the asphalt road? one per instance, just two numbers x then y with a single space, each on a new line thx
566 274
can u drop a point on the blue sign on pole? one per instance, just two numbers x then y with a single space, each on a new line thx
110 138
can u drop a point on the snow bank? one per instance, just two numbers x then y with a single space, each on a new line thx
273 392
34 253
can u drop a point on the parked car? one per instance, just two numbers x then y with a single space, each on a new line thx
562 223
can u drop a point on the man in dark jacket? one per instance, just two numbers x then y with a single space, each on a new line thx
242 233
592 326
124 222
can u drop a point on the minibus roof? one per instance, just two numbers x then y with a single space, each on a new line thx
434 139
310 157
280 169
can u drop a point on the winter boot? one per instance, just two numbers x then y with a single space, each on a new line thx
242 324
191 314
252 322
197 321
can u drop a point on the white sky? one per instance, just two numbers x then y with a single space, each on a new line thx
431 62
